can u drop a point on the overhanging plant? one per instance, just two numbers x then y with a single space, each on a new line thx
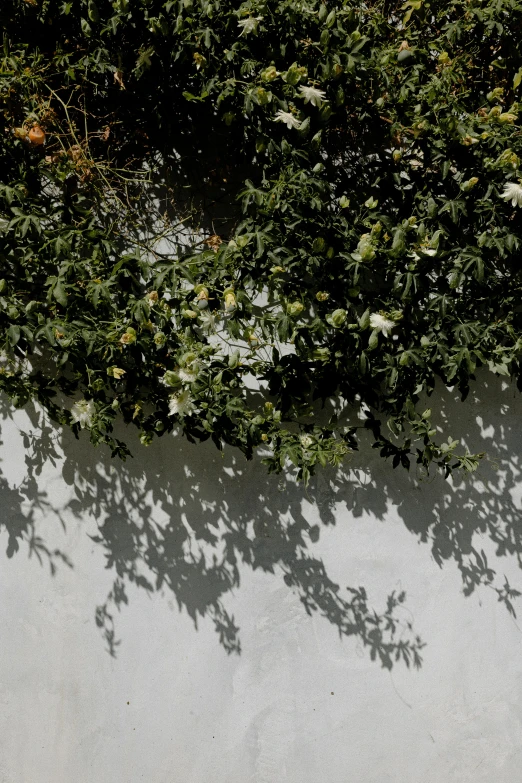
251 222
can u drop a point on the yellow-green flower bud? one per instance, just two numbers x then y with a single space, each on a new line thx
269 74
508 158
252 339
160 338
337 318
495 94
129 336
506 118
321 354
294 308
263 97
365 248
469 184
322 296
199 60
115 372
230 301
171 378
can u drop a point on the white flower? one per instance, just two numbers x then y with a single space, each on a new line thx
82 413
513 192
181 404
428 251
207 322
312 95
381 324
249 25
288 118
306 441
189 373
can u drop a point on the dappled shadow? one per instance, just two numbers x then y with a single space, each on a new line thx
472 520
20 506
183 520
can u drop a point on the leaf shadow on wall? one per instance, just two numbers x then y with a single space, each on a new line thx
183 520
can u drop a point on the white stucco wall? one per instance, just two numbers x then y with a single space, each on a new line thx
186 541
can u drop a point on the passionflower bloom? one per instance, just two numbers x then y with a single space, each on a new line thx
82 413
513 192
207 322
289 120
249 25
189 373
381 324
312 95
181 404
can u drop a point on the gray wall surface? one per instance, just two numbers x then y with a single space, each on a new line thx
183 617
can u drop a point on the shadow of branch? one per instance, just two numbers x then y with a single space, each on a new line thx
180 520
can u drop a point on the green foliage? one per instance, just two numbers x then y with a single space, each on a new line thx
268 223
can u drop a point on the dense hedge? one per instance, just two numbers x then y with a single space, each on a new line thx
267 223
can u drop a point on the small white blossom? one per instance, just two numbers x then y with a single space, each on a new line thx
288 118
513 192
249 25
181 404
306 441
82 413
207 322
381 324
428 251
189 373
312 95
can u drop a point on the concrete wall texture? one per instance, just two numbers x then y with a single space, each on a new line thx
185 618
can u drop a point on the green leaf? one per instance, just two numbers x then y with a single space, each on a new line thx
13 334
60 294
